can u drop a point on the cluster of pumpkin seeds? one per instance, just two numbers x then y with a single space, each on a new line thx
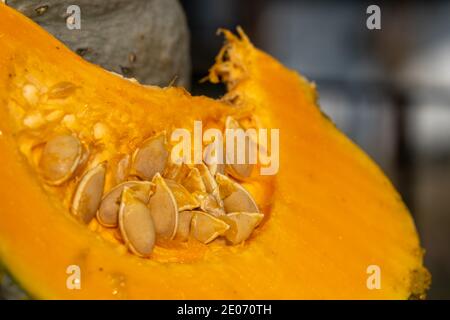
159 199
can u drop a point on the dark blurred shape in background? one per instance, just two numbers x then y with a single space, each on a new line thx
388 89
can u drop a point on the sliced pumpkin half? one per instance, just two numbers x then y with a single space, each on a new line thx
75 138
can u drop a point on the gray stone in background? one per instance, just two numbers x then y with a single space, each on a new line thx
144 39
9 290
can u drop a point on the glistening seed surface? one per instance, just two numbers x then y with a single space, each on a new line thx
60 158
136 224
89 193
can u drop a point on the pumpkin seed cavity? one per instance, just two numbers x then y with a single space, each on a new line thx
151 198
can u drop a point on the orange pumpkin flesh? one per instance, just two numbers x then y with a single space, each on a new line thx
330 211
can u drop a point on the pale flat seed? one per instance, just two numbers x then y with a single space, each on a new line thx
238 171
172 170
184 225
150 158
108 212
89 193
194 182
210 204
205 227
239 200
185 200
226 185
164 210
136 224
60 158
213 166
241 225
208 179
122 168
176 171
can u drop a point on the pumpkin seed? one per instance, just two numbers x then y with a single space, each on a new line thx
136 223
88 194
206 228
150 158
241 225
163 208
208 179
176 171
122 168
210 204
172 170
108 212
194 182
185 200
226 185
216 168
184 225
213 166
239 200
62 90
60 159
238 171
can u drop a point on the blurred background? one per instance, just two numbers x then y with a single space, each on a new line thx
388 89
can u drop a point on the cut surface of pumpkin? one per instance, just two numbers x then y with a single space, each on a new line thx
69 131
